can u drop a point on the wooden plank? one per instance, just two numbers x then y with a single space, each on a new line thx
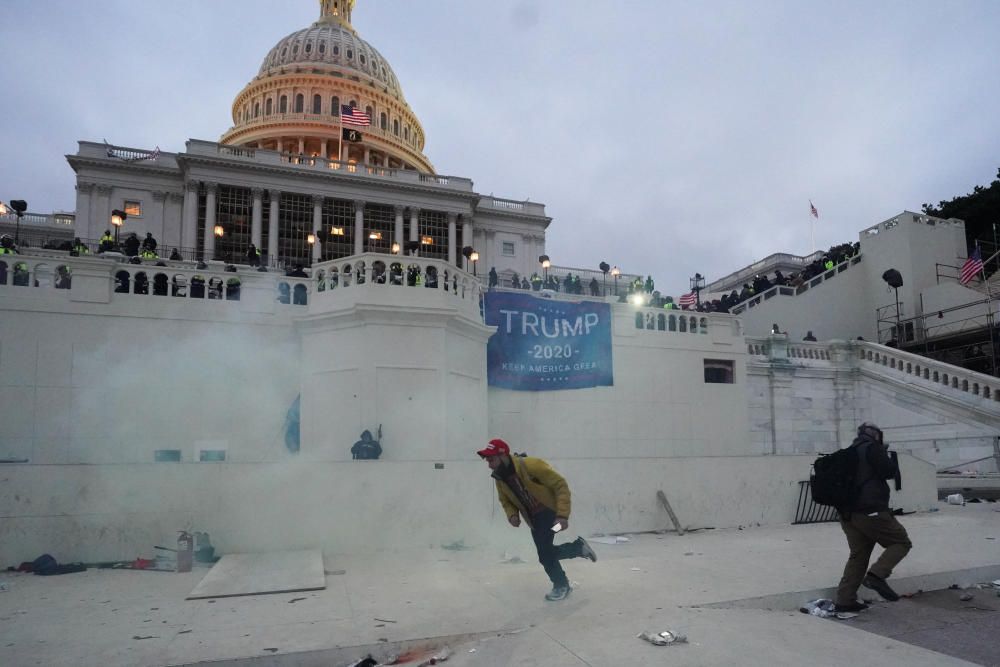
262 573
673 517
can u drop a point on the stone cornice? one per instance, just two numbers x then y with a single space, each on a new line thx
116 165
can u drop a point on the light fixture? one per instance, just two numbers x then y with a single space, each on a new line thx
697 284
474 256
311 239
336 231
219 231
19 206
636 299
118 218
3 208
375 236
615 271
426 240
395 248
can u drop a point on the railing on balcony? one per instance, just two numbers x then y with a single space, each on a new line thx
788 290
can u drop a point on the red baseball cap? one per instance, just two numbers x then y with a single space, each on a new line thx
495 448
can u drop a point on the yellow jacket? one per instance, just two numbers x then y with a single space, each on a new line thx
542 482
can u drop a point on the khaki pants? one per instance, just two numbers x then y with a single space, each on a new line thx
863 532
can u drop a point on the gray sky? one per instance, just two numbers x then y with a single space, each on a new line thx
665 137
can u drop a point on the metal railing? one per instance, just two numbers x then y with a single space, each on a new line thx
806 511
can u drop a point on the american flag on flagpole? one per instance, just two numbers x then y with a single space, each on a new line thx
972 266
688 299
812 209
354 116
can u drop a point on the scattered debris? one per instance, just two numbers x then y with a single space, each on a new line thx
296 600
146 637
4 586
458 545
334 571
688 553
270 650
637 569
965 597
610 539
366 662
511 559
825 608
664 638
444 654
184 632
910 595
384 620
955 499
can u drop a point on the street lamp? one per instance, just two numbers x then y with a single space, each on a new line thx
475 258
395 248
19 206
118 218
615 271
697 285
311 240
544 261
604 267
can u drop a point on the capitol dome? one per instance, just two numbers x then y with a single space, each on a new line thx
294 103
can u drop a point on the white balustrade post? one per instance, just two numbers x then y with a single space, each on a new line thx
257 217
398 229
272 227
317 247
359 226
452 228
210 205
190 225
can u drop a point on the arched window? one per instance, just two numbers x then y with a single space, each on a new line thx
317 104
334 106
353 104
336 50
383 121
322 48
350 54
283 104
256 109
395 127
309 48
406 132
370 112
300 102
268 107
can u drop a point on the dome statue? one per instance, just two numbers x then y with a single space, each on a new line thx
325 92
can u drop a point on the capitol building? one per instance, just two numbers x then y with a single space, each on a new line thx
147 396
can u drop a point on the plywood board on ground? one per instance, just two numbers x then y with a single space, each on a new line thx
262 573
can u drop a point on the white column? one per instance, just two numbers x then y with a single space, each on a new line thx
102 212
281 145
399 228
414 224
368 155
317 249
452 227
272 228
467 238
323 149
302 145
359 227
173 223
257 217
160 197
189 225
211 189
83 224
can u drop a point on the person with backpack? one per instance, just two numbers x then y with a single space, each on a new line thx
866 520
529 487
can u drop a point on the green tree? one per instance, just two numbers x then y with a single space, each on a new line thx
980 209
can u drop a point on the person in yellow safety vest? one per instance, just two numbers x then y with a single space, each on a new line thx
148 253
668 303
107 241
828 264
7 246
79 247
21 274
536 282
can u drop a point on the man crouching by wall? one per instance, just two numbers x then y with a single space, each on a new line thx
529 487
868 521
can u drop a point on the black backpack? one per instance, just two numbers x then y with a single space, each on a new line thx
833 479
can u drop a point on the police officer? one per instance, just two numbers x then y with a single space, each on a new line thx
107 241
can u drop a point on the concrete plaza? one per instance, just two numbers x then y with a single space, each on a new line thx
733 592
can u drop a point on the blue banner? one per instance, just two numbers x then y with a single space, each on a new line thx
545 344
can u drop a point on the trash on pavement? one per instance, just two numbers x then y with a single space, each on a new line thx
364 662
825 608
510 558
458 545
664 638
609 539
965 597
4 586
956 499
441 656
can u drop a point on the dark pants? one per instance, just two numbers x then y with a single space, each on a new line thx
550 554
863 533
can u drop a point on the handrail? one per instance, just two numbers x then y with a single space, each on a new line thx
788 290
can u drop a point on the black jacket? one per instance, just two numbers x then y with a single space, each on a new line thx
874 468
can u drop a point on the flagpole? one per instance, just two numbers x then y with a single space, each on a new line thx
989 313
340 135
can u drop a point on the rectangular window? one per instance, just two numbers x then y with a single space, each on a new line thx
133 208
508 248
718 371
167 455
212 455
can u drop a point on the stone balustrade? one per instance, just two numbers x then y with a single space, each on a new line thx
787 290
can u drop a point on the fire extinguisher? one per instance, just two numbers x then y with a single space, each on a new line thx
185 551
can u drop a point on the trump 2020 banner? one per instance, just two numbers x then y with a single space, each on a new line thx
544 344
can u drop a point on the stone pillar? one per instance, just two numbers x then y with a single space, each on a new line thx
189 226
174 225
317 248
359 227
302 146
398 229
211 189
160 197
272 227
281 145
467 237
368 156
414 224
452 255
323 149
83 223
102 209
257 217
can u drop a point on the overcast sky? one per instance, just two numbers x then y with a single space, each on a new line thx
664 137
